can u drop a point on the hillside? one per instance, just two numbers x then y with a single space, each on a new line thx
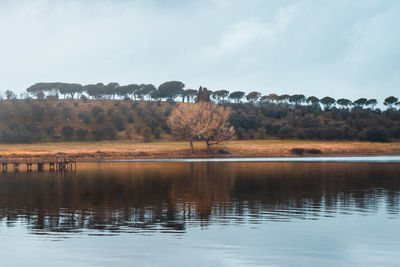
26 121
30 121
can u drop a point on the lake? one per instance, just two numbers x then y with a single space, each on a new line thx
202 214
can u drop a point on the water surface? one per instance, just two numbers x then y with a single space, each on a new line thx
202 214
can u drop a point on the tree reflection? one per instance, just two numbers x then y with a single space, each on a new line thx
139 197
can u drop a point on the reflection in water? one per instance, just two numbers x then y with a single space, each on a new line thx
169 197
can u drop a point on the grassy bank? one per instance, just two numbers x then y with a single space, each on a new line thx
247 148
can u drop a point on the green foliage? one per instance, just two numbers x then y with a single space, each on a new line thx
82 133
344 103
372 103
67 132
237 96
390 101
328 102
157 132
297 99
31 120
100 118
203 95
253 96
220 94
39 89
361 102
170 90
85 116
146 133
190 94
96 110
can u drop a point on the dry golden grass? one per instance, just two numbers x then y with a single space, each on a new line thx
246 148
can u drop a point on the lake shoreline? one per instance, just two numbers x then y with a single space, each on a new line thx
124 150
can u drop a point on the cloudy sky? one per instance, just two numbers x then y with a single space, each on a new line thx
337 48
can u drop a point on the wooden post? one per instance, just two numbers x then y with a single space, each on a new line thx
4 166
40 166
29 166
16 166
59 165
51 166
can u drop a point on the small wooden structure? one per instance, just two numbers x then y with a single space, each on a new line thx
59 164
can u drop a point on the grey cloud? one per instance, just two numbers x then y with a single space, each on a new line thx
338 48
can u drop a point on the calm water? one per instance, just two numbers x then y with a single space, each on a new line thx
202 214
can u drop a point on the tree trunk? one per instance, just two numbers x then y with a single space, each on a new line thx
208 146
191 146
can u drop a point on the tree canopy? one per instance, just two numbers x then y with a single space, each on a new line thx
204 120
170 90
253 96
328 102
237 96
390 101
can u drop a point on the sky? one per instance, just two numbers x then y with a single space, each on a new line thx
338 48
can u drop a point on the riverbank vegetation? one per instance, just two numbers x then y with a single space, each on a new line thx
140 113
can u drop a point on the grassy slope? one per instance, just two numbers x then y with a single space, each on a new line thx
248 148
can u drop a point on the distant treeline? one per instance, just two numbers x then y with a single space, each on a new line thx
115 115
173 90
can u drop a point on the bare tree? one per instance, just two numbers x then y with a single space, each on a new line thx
183 122
213 125
204 120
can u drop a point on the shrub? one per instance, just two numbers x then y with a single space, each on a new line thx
84 115
138 127
124 109
313 151
96 110
168 111
16 135
49 130
146 133
66 111
110 112
119 123
100 118
56 138
67 132
286 131
375 134
223 151
261 133
130 117
83 98
157 132
98 133
109 132
82 133
240 133
37 112
297 151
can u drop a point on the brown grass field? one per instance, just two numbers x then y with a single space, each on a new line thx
114 150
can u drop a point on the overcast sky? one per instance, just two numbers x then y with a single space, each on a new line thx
337 48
